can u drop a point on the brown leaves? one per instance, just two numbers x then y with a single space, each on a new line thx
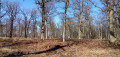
73 47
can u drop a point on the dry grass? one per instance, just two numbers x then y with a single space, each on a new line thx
75 48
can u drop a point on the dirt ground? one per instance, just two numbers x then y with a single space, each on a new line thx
56 48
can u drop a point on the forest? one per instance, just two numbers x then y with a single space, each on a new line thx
59 28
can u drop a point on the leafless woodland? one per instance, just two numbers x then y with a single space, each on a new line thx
33 32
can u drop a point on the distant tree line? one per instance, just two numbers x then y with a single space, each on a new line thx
39 22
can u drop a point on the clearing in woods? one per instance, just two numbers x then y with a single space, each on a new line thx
56 48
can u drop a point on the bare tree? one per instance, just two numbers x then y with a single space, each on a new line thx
111 26
109 10
0 18
49 11
12 9
33 17
2 14
26 22
69 26
52 28
19 27
2 9
1 28
117 17
42 6
64 28
78 5
88 20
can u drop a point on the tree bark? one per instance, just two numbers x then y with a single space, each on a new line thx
119 21
25 27
11 27
43 20
1 28
108 19
80 33
64 29
19 29
34 28
46 26
111 26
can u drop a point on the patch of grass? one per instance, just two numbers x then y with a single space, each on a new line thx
6 51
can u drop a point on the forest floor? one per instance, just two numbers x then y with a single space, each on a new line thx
56 48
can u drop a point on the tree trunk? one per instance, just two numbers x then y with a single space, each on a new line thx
119 21
112 34
69 33
46 26
106 33
64 29
101 34
11 28
99 31
84 29
80 33
46 30
43 20
19 29
34 28
28 25
119 13
25 27
108 19
90 33
1 28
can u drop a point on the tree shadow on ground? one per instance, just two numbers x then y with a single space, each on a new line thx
19 54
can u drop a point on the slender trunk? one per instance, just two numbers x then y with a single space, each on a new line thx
106 33
101 33
69 31
18 30
28 25
87 31
1 28
119 14
46 27
64 30
25 27
90 33
46 30
51 30
79 24
84 29
11 28
34 28
79 34
6 28
108 18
